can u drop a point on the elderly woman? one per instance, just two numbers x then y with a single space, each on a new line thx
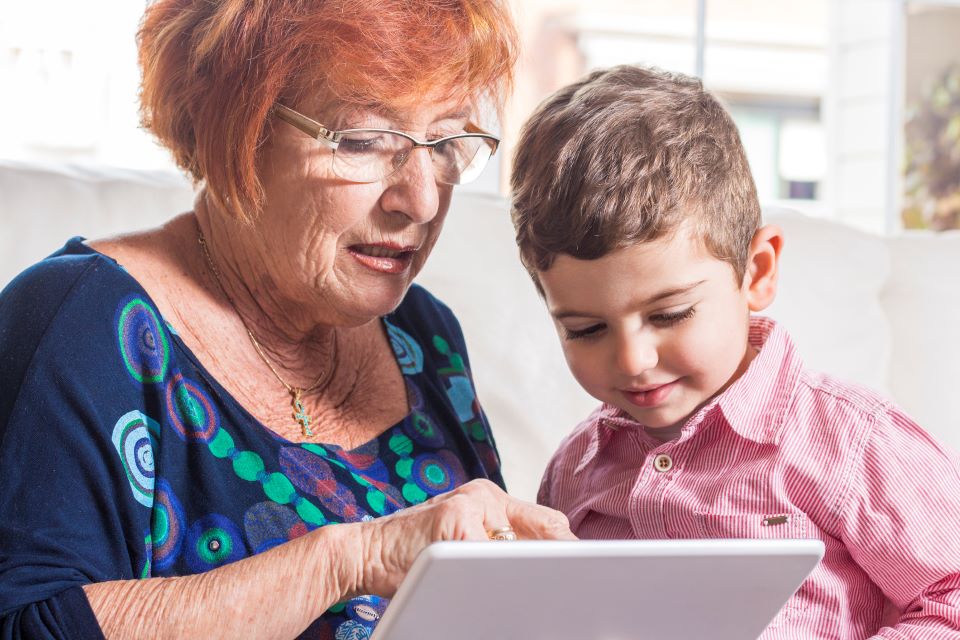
248 422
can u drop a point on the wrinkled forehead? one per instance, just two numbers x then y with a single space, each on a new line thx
413 118
400 111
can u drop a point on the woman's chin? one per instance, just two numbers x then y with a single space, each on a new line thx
372 303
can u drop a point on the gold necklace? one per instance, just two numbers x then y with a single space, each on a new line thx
300 414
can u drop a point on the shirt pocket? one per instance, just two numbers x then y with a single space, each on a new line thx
781 525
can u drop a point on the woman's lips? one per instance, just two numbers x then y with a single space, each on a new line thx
383 258
650 397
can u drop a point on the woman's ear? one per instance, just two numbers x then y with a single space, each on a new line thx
760 278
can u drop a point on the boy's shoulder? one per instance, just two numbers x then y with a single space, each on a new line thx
831 413
793 401
830 399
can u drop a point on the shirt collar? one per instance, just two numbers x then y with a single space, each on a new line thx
605 422
754 405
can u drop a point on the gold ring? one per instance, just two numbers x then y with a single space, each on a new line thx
502 533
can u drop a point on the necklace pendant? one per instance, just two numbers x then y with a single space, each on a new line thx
300 414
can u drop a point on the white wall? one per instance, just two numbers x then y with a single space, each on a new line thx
863 112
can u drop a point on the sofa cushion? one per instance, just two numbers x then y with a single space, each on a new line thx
922 303
42 205
831 276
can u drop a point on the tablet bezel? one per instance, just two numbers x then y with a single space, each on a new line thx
780 567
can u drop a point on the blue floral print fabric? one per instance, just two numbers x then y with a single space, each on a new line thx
121 457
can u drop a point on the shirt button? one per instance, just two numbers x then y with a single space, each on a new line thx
663 463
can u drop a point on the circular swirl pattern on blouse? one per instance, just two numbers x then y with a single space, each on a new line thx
167 527
437 473
352 630
134 438
421 429
143 343
191 411
213 541
408 351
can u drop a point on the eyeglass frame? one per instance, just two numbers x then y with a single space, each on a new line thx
331 138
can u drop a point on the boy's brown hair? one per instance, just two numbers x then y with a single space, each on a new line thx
627 155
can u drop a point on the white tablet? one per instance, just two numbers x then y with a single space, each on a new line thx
597 590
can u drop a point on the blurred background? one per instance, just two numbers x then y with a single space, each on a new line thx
849 109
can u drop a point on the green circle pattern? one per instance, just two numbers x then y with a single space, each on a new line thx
224 547
403 447
249 466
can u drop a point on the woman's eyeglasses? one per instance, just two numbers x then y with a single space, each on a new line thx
369 155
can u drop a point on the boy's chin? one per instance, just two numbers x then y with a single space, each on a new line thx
653 419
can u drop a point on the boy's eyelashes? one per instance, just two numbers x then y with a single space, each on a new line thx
576 334
671 319
661 320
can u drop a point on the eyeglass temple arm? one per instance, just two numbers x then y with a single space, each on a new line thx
310 127
491 139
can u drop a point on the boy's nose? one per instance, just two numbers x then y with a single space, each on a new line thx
636 353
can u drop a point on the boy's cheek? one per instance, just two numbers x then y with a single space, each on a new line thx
589 372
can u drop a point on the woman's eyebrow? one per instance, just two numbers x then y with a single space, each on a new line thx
396 119
456 114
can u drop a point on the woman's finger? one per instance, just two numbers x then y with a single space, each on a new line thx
490 500
536 522
509 515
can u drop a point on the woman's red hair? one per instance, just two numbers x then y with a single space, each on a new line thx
212 70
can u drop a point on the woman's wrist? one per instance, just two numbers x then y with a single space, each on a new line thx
340 559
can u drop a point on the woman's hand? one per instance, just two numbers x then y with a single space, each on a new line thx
387 546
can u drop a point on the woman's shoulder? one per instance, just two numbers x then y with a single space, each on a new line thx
69 310
75 271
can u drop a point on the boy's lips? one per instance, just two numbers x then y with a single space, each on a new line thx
648 396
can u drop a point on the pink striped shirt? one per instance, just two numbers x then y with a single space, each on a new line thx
845 465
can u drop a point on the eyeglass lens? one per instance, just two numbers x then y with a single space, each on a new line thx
368 156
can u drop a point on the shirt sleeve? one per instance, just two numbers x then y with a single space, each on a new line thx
65 615
900 521
546 482
68 511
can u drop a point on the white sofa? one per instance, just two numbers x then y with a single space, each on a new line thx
882 311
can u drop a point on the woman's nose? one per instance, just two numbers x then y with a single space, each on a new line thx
636 353
413 190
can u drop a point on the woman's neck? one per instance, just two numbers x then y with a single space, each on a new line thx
290 336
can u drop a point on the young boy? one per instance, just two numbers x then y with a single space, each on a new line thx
637 217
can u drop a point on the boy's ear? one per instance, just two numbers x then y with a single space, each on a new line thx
760 278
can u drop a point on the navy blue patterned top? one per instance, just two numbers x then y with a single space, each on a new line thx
121 457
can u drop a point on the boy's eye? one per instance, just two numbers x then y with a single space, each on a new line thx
671 319
587 332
